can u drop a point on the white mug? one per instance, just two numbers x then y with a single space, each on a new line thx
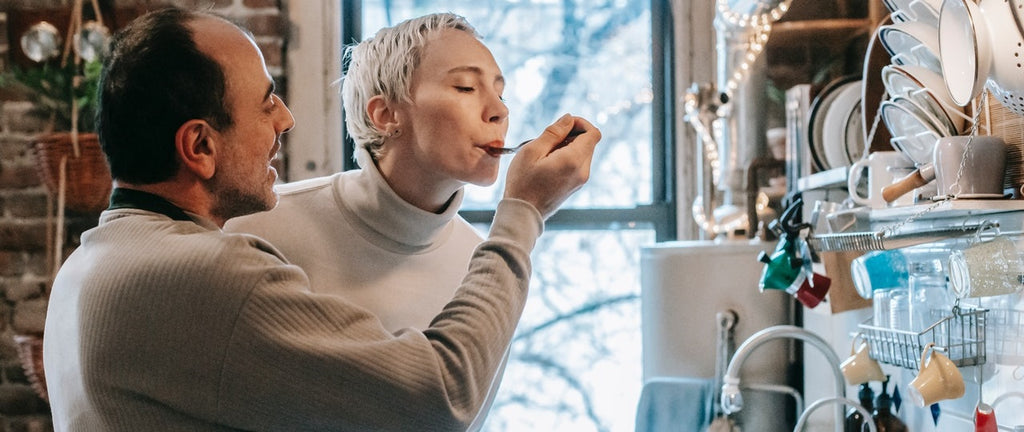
884 168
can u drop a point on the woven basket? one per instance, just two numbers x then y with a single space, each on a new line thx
88 184
30 352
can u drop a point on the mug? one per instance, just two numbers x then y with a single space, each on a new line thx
879 270
813 289
986 269
860 368
938 379
983 162
884 168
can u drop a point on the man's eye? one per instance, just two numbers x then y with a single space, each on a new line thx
464 89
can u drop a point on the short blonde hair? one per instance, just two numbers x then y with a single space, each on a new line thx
383 65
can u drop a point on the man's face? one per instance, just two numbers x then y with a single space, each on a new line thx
456 111
244 180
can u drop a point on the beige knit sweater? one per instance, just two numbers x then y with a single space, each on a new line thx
157 324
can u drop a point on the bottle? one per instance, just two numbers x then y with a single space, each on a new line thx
929 296
885 421
854 419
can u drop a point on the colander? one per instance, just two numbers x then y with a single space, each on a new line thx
965 49
1006 76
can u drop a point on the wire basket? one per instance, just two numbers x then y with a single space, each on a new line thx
1004 330
960 335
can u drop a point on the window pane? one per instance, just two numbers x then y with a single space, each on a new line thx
575 361
591 59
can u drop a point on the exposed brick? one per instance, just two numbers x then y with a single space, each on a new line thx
37 263
29 316
8 349
24 290
28 204
18 176
22 236
11 263
261 3
273 53
12 148
267 25
14 372
18 399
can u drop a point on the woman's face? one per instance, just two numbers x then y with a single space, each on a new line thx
455 114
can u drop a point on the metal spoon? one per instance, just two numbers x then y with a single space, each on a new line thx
498 151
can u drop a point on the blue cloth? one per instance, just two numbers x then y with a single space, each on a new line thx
675 404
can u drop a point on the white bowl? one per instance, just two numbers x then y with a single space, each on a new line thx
965 49
924 11
912 43
912 134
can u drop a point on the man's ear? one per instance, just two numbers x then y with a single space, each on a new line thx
195 143
382 114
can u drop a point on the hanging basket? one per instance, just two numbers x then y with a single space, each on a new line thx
30 352
88 183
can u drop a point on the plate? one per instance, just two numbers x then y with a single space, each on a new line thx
912 134
834 132
912 43
924 11
926 88
816 120
941 125
964 42
855 144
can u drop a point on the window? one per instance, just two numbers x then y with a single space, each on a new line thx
575 361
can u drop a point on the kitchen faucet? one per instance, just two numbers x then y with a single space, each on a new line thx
732 400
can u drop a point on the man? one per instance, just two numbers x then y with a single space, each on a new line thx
161 321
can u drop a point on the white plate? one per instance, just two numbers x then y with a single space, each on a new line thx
941 125
926 88
855 144
816 120
834 132
965 45
924 11
912 135
912 43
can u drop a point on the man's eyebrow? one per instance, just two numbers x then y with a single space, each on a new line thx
475 70
270 90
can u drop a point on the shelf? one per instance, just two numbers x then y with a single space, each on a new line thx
835 177
826 32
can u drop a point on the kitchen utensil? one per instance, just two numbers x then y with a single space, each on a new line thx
1006 74
816 119
924 11
498 151
970 166
912 43
41 42
919 177
938 379
942 124
880 167
927 89
856 146
986 269
834 133
912 134
966 46
879 271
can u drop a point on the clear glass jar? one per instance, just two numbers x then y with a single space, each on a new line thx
930 298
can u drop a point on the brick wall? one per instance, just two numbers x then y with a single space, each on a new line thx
25 229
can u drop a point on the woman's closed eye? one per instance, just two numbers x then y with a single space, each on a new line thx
464 89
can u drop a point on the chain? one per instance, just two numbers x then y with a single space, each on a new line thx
947 198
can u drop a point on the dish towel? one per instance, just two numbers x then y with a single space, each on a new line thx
674 404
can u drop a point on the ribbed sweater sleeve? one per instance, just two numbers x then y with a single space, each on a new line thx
331 365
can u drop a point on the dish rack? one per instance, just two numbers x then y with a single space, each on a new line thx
1004 330
960 336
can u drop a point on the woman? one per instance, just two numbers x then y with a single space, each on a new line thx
423 102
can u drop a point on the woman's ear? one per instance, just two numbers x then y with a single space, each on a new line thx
382 114
195 143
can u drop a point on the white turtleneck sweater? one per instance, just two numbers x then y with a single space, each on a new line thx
356 238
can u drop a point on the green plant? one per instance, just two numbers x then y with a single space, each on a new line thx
51 87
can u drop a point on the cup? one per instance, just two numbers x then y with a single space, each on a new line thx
938 379
970 166
860 368
813 290
883 168
879 270
986 269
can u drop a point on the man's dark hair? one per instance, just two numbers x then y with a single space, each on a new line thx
154 80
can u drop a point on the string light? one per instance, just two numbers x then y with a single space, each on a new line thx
762 29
